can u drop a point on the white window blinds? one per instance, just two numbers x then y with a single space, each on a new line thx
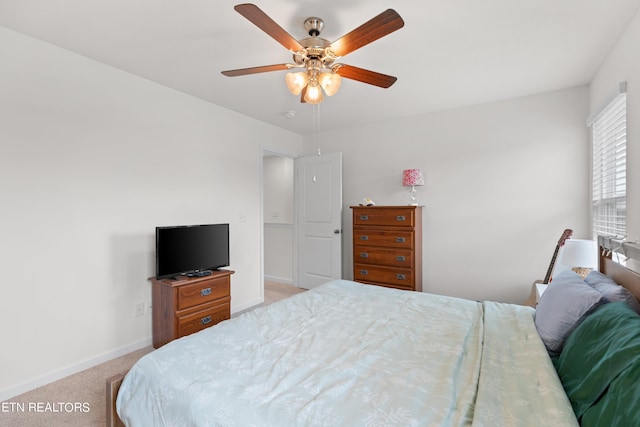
609 135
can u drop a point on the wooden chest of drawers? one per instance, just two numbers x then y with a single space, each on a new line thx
182 307
387 246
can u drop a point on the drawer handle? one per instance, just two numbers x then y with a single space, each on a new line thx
400 218
205 320
401 258
364 237
364 255
364 272
205 292
400 239
401 277
364 217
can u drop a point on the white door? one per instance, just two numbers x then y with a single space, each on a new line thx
319 219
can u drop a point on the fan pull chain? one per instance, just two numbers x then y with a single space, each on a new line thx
316 126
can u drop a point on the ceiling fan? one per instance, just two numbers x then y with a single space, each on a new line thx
317 56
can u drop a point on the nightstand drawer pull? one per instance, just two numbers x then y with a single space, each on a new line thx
400 218
364 255
364 217
401 258
364 237
401 239
401 277
205 320
205 292
364 272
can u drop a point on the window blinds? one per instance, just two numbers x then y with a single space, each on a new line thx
609 135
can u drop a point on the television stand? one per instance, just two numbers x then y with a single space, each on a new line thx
189 304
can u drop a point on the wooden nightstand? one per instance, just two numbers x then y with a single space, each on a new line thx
537 289
540 288
184 306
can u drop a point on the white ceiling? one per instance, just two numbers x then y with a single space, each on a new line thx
450 53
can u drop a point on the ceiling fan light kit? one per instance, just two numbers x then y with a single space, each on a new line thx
316 56
296 82
313 94
330 82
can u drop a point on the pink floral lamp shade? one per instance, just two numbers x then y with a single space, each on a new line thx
412 178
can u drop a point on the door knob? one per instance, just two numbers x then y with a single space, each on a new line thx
336 231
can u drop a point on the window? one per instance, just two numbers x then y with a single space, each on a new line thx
609 169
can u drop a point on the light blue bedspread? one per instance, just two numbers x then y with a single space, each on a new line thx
347 354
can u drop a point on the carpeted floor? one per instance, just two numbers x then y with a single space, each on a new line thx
80 399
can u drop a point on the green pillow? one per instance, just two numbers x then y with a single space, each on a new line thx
599 366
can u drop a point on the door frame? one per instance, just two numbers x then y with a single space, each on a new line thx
265 150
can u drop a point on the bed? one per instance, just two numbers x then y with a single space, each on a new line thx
349 354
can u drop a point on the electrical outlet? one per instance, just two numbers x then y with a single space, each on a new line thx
139 307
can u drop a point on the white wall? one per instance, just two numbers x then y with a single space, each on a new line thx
623 64
503 180
92 159
278 218
278 190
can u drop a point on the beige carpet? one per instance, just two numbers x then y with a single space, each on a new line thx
80 400
274 291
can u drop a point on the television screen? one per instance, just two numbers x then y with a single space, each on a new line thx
191 249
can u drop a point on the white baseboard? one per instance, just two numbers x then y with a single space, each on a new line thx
246 306
74 369
279 279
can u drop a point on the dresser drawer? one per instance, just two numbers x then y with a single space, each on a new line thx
401 277
209 315
383 256
376 237
397 217
202 293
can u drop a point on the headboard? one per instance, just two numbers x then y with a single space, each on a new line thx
622 275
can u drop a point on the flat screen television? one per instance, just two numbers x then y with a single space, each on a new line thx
191 250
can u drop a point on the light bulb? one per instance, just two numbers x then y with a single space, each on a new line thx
296 82
313 95
330 82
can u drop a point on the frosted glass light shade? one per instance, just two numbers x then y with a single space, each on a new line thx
330 82
313 95
296 82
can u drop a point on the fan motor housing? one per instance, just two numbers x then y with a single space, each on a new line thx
314 48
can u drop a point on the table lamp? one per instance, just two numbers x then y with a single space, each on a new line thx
581 255
412 178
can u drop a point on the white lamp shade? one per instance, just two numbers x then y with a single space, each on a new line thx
580 253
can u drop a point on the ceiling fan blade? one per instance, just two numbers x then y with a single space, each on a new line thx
365 76
256 70
302 94
385 23
261 20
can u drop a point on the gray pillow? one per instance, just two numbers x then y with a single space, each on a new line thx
611 290
564 305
